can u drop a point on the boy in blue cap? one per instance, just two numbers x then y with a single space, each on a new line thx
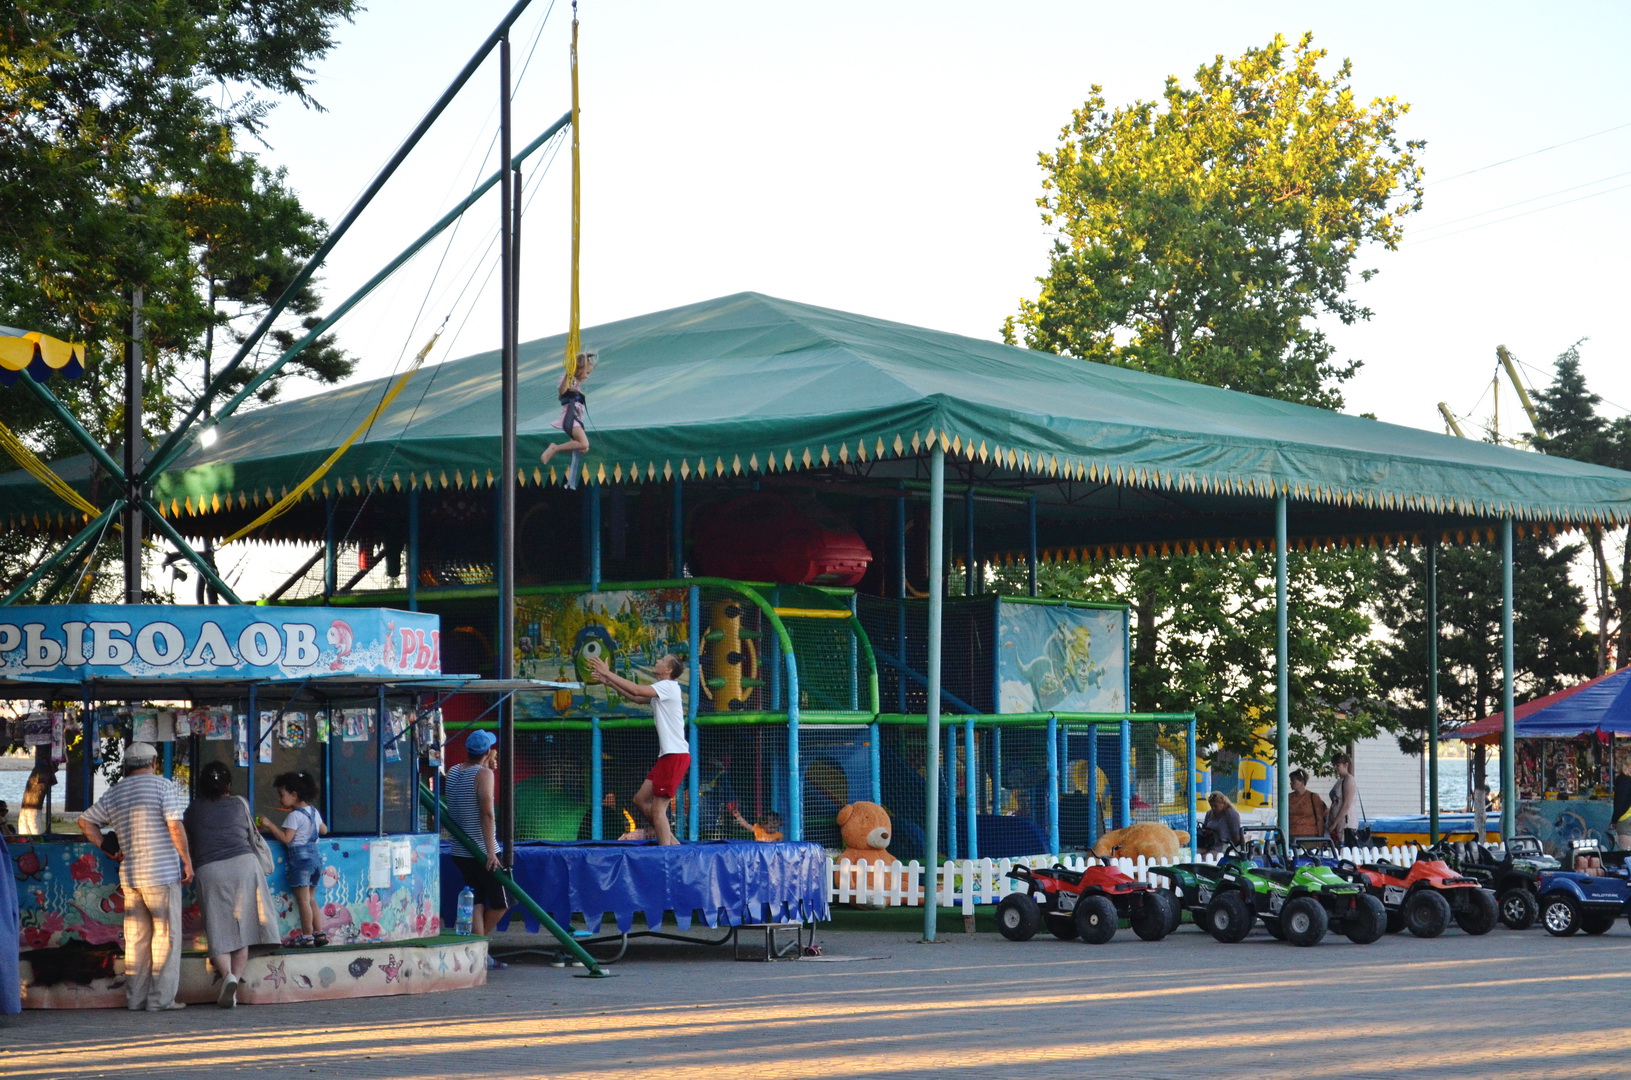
469 791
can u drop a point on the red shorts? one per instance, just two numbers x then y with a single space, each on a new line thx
665 776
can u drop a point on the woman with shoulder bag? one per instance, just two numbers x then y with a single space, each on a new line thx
232 890
1308 810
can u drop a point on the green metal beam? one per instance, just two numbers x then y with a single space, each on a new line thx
186 550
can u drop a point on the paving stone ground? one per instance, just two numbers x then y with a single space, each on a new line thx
1505 1006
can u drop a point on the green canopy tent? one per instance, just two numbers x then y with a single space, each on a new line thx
752 389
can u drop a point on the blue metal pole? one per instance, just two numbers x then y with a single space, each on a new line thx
937 608
379 764
593 500
951 791
1282 675
996 770
413 548
1193 787
1093 821
971 783
795 793
900 595
1053 784
330 571
694 695
597 782
875 760
1509 780
968 543
1030 545
252 726
1124 796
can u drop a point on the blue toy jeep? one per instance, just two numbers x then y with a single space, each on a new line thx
1590 890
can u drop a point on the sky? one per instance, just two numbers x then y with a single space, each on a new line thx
881 158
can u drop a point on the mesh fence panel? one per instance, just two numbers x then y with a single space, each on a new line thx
899 631
745 765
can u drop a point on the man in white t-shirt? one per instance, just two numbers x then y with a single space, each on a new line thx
668 709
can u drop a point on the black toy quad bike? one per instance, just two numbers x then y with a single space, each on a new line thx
1084 904
1512 873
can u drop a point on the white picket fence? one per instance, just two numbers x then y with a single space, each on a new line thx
967 883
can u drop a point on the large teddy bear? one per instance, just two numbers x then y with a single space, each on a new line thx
866 831
1150 839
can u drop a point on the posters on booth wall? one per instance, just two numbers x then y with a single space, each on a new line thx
37 729
1064 659
263 738
557 637
217 725
240 741
357 725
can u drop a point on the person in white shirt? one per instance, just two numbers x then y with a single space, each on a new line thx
668 709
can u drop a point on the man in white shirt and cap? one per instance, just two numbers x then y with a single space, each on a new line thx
144 810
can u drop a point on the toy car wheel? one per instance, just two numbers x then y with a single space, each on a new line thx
1426 914
1395 920
1095 919
1479 913
1367 922
1061 926
1304 921
1276 929
1228 918
1560 915
1519 908
1596 923
1018 917
1153 918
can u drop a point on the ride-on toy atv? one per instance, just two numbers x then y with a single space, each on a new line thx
1084 903
1297 904
1591 890
1421 897
1512 872
1192 885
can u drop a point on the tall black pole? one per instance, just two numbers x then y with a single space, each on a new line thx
133 452
506 473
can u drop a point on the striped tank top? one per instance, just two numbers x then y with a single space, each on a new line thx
463 808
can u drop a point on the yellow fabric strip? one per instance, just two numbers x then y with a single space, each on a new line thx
278 508
38 469
574 336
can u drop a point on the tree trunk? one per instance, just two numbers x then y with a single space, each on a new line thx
1622 597
1599 572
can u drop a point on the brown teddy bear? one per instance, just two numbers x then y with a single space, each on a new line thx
1150 839
866 831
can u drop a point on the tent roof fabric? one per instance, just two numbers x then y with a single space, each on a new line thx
1602 704
753 384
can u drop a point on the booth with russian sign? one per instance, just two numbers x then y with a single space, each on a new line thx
349 696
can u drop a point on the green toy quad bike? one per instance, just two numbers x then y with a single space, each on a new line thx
1193 884
1297 904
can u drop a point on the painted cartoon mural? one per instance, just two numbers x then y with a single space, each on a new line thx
557 636
374 888
1053 657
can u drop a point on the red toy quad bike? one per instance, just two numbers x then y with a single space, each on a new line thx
1086 904
1423 896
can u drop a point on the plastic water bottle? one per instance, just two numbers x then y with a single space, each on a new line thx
467 911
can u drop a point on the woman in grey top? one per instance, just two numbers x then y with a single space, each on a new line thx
232 892
1221 826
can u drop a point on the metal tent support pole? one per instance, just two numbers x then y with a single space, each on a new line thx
1124 779
1282 675
592 501
330 571
1509 780
969 568
1094 820
795 790
134 371
413 548
678 523
951 791
971 787
1193 787
900 596
597 782
1030 545
937 609
506 512
1053 784
693 602
1432 692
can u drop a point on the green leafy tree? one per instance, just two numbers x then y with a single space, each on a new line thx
1201 237
122 163
1551 648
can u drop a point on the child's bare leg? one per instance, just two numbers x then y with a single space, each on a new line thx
665 831
308 910
576 441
